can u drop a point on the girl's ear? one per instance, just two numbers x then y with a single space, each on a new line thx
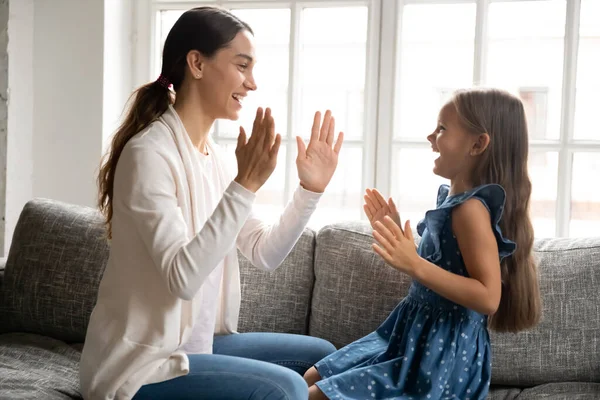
480 144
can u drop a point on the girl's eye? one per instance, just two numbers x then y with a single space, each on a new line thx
243 66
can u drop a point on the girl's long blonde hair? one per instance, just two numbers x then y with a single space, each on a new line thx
502 116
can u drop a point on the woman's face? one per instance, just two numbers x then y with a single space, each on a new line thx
227 77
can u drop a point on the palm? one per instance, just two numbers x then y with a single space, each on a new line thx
317 163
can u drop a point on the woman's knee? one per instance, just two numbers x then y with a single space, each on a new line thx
320 348
292 384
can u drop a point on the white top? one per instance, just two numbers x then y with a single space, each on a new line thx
166 245
201 339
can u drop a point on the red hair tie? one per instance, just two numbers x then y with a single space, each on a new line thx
164 81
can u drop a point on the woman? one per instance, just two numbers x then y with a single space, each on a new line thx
175 217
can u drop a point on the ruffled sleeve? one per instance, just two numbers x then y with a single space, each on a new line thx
434 223
493 198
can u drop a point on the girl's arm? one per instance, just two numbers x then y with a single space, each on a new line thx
471 226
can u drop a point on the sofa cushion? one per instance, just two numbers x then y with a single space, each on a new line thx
37 367
503 393
563 390
279 301
354 289
565 346
54 266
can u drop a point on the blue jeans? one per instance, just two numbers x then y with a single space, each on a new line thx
248 366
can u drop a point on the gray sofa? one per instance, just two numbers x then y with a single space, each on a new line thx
331 286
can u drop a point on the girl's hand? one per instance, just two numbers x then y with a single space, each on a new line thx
317 163
396 246
376 207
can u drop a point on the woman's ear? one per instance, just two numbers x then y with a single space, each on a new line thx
480 144
195 62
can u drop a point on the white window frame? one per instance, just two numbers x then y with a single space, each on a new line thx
566 146
147 37
383 45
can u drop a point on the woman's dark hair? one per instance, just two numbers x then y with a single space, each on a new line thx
205 29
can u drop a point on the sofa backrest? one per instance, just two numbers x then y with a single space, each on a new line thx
279 301
54 266
59 252
565 346
355 291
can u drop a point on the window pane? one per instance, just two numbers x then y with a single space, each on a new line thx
272 35
167 19
414 185
332 67
342 199
587 102
435 59
585 201
543 172
269 198
525 56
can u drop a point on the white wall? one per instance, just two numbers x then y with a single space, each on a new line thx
3 114
118 62
68 74
65 75
19 165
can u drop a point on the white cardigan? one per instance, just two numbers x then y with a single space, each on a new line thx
162 249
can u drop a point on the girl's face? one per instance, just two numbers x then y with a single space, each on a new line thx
457 147
227 77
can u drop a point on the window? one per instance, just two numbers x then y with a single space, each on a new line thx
311 54
386 67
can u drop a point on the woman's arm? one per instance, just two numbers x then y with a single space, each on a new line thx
145 190
266 246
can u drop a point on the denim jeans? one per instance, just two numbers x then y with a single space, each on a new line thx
245 366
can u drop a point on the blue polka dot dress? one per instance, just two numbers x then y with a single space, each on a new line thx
428 347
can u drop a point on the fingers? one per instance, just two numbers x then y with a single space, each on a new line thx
387 245
393 228
258 120
314 133
241 142
368 212
331 131
384 254
408 231
338 143
261 133
383 230
269 126
325 127
275 148
301 147
392 206
379 198
369 204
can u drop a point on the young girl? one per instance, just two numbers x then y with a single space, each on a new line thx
473 267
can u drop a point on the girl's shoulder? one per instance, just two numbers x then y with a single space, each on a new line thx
492 196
